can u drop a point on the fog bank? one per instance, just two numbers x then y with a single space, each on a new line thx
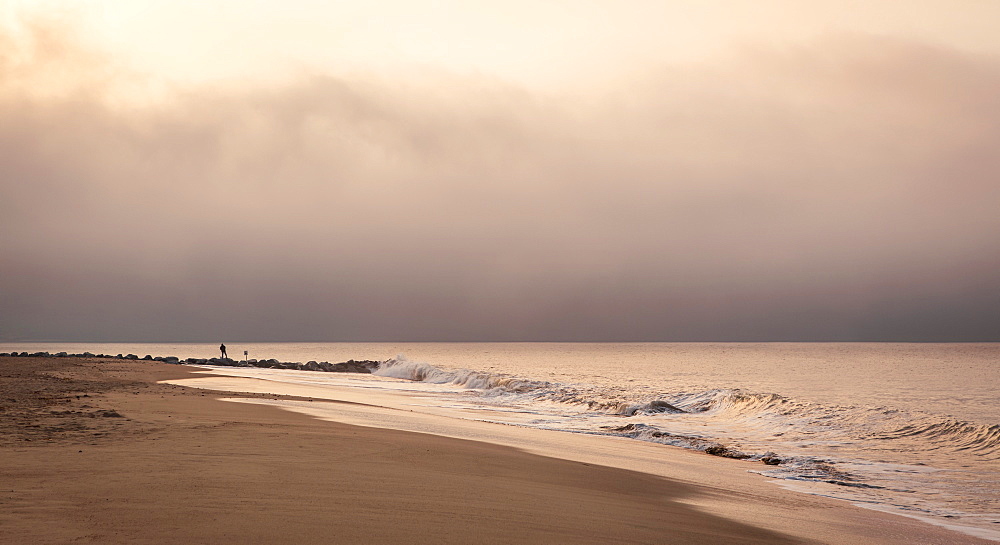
846 189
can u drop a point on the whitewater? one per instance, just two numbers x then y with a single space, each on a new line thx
907 428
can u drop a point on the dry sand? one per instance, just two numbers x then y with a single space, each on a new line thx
95 451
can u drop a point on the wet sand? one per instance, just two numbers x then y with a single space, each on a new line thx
96 451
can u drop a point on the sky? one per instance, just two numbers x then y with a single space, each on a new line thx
588 170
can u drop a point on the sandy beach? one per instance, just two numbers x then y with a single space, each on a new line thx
97 451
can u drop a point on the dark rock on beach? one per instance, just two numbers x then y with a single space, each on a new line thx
352 366
719 450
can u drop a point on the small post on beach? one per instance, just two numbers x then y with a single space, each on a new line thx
246 357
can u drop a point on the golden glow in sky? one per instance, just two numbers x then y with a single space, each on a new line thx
551 44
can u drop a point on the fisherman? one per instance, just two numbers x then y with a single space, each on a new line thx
222 347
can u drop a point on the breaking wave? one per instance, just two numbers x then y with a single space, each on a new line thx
770 417
867 454
400 367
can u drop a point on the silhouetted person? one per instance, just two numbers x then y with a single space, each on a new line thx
222 347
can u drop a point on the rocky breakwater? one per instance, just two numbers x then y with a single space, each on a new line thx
350 366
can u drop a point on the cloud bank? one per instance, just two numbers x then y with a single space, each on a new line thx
845 189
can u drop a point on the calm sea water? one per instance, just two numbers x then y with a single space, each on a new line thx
913 428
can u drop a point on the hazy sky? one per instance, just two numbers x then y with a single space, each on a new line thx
511 170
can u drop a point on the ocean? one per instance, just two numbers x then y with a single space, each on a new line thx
907 428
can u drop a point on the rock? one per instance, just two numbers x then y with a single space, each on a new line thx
223 361
171 359
771 460
352 366
719 450
131 357
147 357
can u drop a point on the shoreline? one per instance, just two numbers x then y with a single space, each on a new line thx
697 467
370 484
